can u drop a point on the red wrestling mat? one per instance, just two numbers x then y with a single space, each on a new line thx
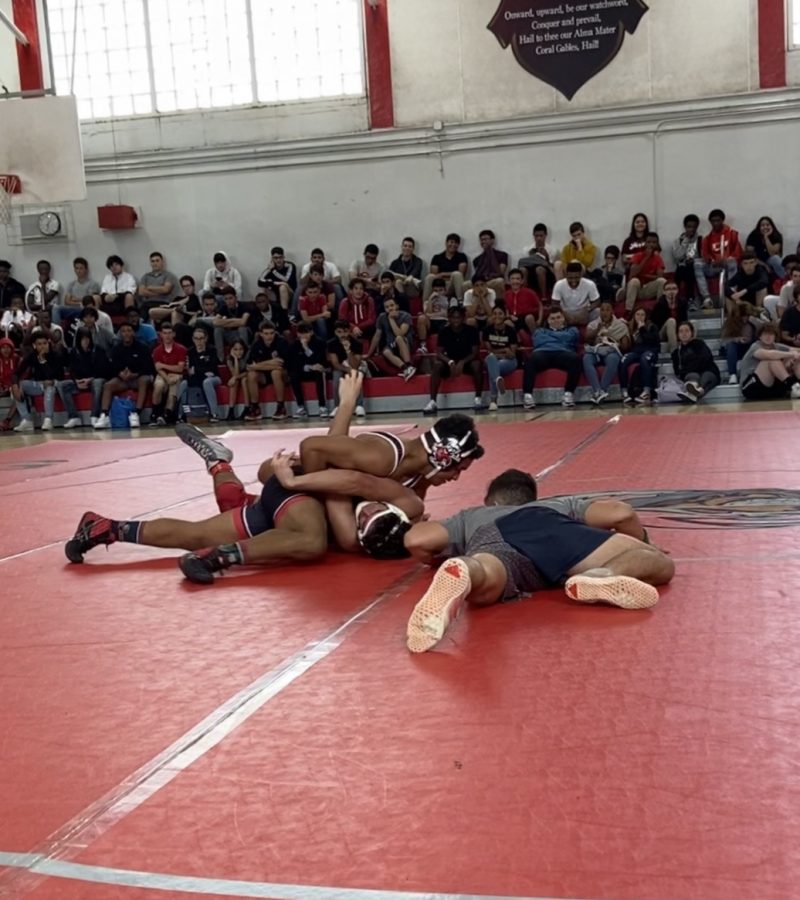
548 749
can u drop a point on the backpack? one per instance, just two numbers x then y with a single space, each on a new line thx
121 408
668 387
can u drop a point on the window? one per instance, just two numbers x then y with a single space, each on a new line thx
145 56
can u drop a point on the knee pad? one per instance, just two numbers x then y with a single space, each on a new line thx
230 495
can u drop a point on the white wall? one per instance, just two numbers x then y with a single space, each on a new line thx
241 180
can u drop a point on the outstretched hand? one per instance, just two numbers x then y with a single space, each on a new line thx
350 387
282 463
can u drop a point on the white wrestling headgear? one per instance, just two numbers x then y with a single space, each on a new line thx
381 535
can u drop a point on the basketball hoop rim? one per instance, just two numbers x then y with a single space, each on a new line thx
10 184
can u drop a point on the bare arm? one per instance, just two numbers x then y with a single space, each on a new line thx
614 515
426 541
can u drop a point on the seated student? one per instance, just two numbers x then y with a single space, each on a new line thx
9 287
434 310
575 297
88 367
769 370
9 360
501 341
636 240
790 321
279 279
579 249
261 313
118 288
209 308
685 250
646 275
720 251
693 362
331 291
738 334
457 353
606 340
408 269
670 309
449 266
142 331
555 346
202 371
307 362
131 368
491 263
183 311
368 268
238 387
267 363
330 275
70 305
610 277
45 291
748 288
99 324
222 275
389 291
169 360
314 310
230 322
479 302
540 264
156 289
767 243
777 304
523 307
40 373
393 339
358 308
644 351
345 355
16 322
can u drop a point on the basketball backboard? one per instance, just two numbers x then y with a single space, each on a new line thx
40 141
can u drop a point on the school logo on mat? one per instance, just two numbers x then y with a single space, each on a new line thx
741 509
565 44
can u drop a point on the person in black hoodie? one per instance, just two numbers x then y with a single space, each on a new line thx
694 364
645 347
307 362
37 375
131 368
88 366
669 311
202 371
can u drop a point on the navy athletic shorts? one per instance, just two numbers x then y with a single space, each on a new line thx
263 514
552 542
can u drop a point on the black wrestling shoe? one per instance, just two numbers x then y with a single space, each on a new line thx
212 451
201 565
92 531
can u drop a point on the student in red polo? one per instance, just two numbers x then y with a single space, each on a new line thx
169 359
646 280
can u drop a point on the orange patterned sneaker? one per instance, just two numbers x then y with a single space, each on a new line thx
439 606
618 590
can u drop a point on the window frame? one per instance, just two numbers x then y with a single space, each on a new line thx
73 62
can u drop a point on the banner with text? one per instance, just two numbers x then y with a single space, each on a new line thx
565 44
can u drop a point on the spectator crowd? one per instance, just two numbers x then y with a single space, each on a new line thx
172 343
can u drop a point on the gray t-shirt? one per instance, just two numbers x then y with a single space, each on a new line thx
389 337
81 289
159 279
462 526
749 363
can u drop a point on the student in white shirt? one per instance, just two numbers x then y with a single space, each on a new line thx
577 297
118 288
222 275
43 292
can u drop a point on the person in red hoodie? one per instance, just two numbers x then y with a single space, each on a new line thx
9 360
525 310
720 251
358 308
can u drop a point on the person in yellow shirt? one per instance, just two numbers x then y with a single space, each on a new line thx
580 248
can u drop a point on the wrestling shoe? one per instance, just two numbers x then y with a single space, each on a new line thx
618 590
212 451
439 606
92 531
201 565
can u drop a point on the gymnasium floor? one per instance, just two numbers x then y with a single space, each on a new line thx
271 736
